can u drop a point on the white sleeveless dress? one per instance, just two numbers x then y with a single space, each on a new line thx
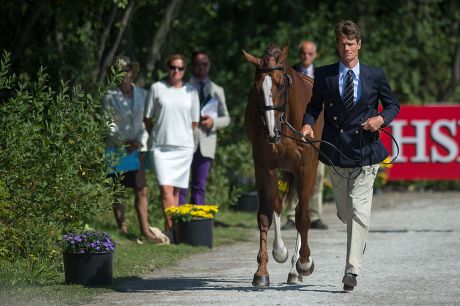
173 110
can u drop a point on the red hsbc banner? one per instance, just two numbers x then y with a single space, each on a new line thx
429 143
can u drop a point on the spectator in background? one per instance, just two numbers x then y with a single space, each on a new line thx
349 92
173 110
308 54
214 116
126 107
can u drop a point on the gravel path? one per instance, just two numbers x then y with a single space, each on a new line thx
412 258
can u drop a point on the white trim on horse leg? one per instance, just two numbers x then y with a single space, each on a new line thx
280 253
296 255
293 276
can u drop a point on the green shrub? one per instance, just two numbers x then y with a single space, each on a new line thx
52 165
232 173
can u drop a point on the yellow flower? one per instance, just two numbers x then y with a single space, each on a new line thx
191 211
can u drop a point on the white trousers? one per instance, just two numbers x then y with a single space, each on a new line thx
353 190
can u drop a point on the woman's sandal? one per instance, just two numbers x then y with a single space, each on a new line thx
155 235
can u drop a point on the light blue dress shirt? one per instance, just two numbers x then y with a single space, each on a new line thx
358 87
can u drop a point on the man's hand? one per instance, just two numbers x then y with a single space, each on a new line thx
132 145
373 124
307 131
206 122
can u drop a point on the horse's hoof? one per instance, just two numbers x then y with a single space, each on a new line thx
305 269
261 281
281 258
294 278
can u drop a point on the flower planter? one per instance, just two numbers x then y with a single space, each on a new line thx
88 269
197 232
248 201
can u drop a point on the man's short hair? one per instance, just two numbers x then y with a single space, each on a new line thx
198 52
348 29
303 42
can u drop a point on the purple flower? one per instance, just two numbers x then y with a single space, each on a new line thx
86 242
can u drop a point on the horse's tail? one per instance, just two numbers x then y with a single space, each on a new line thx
288 187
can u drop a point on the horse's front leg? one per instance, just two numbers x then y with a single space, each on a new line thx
264 183
261 277
305 263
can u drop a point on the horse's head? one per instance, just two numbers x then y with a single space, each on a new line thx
270 89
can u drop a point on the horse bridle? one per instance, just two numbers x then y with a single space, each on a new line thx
279 108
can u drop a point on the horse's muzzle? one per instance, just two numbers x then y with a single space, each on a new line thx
274 139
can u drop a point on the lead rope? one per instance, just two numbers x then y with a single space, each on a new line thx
311 143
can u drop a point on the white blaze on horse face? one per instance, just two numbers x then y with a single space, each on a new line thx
269 115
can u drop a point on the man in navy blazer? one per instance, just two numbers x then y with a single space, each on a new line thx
348 92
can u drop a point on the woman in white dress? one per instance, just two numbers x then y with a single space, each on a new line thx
172 108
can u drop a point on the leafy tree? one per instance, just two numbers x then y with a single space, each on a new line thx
416 42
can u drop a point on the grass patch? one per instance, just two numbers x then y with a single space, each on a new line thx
41 281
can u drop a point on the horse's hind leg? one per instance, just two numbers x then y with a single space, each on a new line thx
280 253
293 276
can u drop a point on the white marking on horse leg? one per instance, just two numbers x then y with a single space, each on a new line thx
269 115
296 255
306 266
280 253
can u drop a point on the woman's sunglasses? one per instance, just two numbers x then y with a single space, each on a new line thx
171 67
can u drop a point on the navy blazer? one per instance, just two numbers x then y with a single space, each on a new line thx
343 129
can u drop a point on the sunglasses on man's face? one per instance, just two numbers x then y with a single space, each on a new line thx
172 67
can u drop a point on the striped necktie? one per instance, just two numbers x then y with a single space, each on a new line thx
348 93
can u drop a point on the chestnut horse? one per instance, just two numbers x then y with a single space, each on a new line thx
276 105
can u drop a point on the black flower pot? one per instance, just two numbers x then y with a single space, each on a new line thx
248 201
197 232
88 269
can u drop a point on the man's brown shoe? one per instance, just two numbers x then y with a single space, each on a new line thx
349 281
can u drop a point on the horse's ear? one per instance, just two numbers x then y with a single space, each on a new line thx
251 58
284 54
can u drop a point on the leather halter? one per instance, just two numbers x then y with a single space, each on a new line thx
279 108
287 83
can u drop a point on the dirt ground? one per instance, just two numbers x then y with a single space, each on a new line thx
411 259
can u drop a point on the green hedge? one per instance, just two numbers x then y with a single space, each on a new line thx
52 165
